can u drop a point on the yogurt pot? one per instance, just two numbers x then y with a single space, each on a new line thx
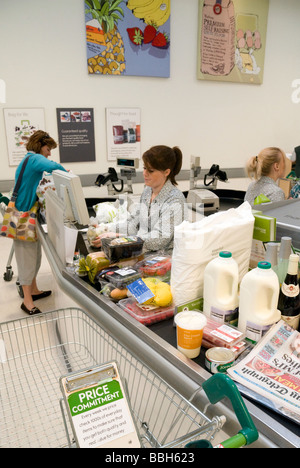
190 325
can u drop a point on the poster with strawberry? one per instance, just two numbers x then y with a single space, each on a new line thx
128 37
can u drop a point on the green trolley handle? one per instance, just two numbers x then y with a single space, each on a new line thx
220 386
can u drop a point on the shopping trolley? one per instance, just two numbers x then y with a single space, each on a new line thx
36 351
8 274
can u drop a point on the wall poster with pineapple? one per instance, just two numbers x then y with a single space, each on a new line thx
128 37
232 40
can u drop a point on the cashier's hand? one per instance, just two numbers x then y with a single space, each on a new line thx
97 242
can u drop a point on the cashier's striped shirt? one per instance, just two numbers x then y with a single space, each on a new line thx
155 221
265 186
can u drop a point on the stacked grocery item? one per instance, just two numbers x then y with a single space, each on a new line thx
156 265
239 316
158 307
121 264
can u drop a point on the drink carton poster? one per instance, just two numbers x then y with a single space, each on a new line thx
128 37
232 40
123 126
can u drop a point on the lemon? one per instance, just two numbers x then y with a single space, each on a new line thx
162 292
163 296
152 286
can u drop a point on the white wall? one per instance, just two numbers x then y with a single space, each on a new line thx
43 63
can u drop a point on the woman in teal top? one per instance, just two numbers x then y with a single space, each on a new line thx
28 254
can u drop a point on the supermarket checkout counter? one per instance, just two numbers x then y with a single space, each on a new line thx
156 347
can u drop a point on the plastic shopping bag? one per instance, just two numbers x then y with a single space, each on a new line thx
45 184
110 212
195 244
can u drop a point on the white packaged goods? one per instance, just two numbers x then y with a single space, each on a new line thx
221 282
190 327
259 294
196 244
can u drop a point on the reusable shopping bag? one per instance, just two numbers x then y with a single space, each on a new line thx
20 225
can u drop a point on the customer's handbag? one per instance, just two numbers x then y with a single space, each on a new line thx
20 225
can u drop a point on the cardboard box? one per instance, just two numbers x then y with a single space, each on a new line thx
285 185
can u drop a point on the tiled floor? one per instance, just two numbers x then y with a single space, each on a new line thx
10 301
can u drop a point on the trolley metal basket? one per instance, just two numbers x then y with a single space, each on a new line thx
36 351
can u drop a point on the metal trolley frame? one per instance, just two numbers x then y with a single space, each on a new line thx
36 351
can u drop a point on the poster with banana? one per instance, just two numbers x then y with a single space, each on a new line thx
128 37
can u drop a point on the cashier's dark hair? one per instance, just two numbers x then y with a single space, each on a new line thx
162 158
38 140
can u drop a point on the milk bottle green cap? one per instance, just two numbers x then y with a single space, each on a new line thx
225 254
264 265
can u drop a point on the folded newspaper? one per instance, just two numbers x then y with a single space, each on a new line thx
272 371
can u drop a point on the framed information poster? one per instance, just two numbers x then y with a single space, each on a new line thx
20 124
123 127
232 40
128 37
76 134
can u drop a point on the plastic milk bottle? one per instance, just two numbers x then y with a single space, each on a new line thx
259 292
220 289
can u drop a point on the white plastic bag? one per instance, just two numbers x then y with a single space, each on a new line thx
195 244
105 212
110 212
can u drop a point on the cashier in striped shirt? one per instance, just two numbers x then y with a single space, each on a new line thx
162 205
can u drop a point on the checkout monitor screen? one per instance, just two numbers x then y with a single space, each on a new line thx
55 223
69 190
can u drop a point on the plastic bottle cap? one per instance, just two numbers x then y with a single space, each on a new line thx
264 265
271 254
225 254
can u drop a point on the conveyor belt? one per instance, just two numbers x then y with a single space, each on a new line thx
156 346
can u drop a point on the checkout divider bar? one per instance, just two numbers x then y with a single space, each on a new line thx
182 374
88 180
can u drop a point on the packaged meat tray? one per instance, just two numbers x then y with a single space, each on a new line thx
121 277
155 265
116 248
221 335
146 314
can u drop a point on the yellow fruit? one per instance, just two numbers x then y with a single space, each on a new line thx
161 16
163 296
163 300
162 292
151 284
148 8
131 4
157 12
162 285
149 302
151 281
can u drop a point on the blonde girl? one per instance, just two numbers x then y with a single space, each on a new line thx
265 168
